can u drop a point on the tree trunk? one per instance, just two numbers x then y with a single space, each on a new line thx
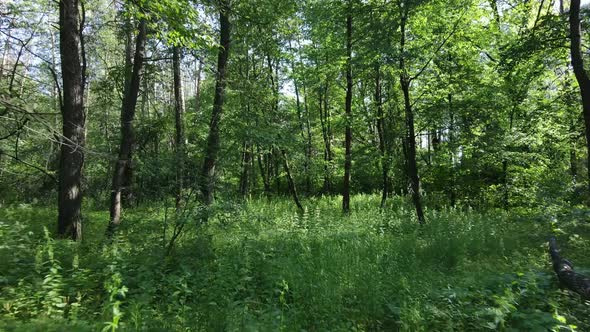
122 170
127 194
411 153
573 155
565 272
290 181
7 47
309 143
412 166
580 72
381 134
213 141
452 189
324 121
69 224
198 87
505 180
348 110
179 124
561 9
245 176
302 128
274 157
264 173
274 73
494 5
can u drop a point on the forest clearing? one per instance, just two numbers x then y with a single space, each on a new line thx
285 165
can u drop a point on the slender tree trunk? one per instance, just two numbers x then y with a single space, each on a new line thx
122 170
330 134
405 188
580 72
506 192
561 9
411 153
302 127
412 166
276 168
263 166
56 96
348 110
246 171
452 189
7 47
179 123
198 86
573 155
494 5
245 176
69 224
381 134
145 96
327 186
274 77
127 193
309 143
291 183
213 141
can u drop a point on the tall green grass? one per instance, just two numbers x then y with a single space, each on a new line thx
263 266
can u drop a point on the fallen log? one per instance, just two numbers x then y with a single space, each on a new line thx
566 275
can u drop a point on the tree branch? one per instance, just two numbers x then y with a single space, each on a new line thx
51 176
455 26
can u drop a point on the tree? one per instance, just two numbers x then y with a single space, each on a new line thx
410 140
382 135
122 169
482 117
207 184
580 73
348 113
69 223
179 125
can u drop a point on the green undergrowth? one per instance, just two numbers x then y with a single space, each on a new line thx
263 266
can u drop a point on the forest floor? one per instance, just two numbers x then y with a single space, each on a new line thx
261 266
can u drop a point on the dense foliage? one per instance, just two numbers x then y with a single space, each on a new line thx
292 165
265 267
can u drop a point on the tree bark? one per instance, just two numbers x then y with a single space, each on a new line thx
276 159
573 155
381 134
122 169
7 46
127 193
246 165
179 123
348 111
326 135
565 272
213 141
198 87
308 151
580 72
69 224
290 181
452 185
273 157
412 166
494 5
505 179
264 172
302 127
